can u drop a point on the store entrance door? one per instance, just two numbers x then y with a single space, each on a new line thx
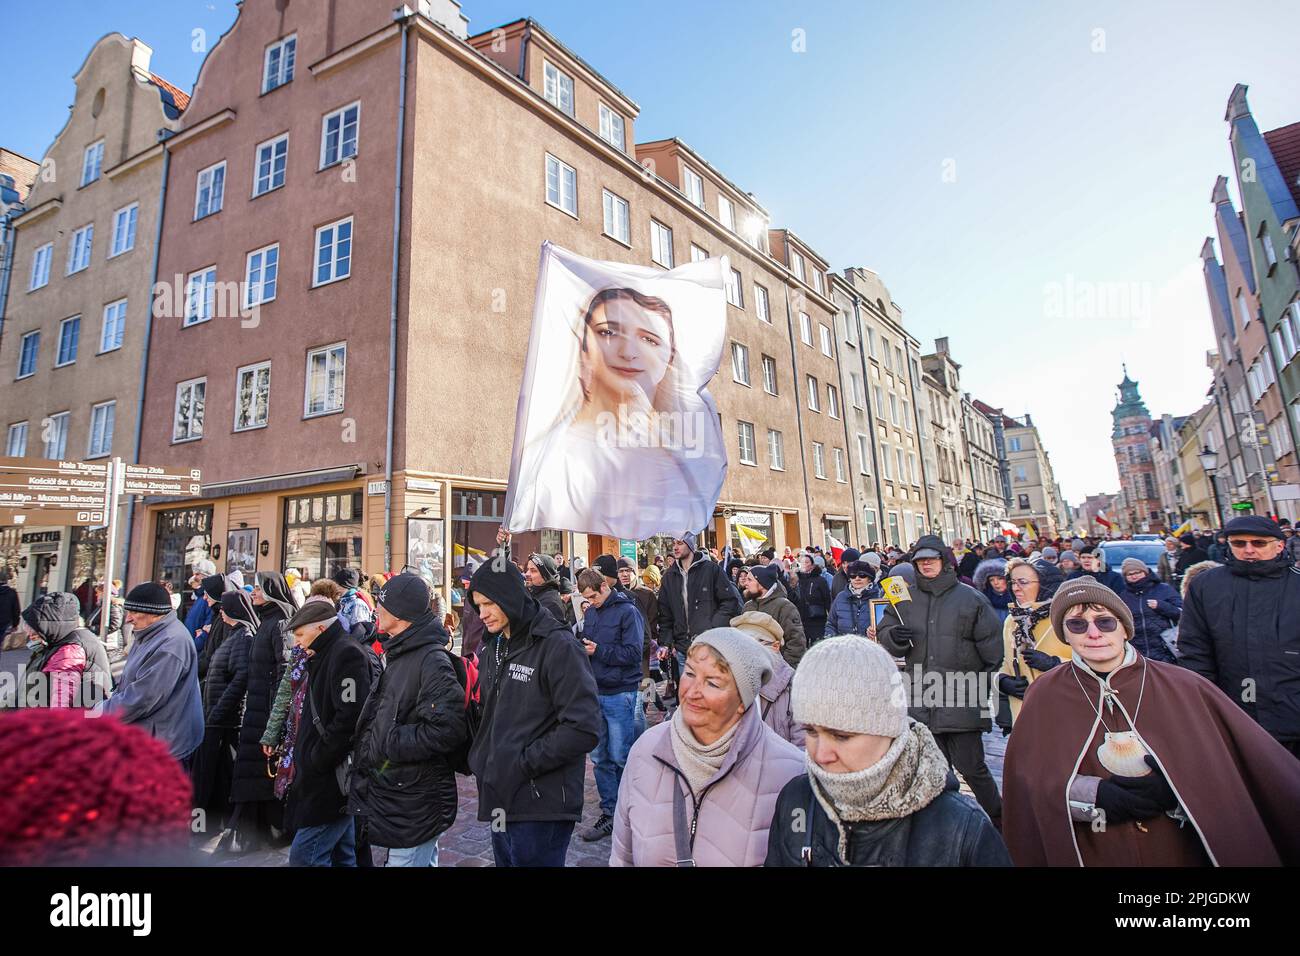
43 568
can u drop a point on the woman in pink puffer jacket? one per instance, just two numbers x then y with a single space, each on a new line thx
700 789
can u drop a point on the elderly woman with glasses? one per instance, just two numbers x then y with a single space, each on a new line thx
1030 648
1122 761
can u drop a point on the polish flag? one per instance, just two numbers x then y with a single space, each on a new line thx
1102 520
837 548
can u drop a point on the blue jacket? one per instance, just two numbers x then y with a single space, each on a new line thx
159 689
1111 579
850 615
618 631
200 614
1148 623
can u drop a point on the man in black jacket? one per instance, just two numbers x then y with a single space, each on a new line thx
338 682
10 607
952 640
694 596
403 779
1240 627
540 720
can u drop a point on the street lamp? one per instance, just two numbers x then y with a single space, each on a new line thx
1209 463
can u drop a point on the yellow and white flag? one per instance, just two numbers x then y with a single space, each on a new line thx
895 589
750 539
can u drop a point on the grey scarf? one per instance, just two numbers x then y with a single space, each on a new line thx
697 761
906 779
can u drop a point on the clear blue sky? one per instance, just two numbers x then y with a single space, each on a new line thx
1073 168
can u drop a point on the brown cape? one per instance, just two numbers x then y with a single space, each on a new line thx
1239 787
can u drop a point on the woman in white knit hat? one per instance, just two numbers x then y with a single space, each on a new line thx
877 791
699 789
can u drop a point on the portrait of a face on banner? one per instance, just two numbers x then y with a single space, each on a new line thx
616 433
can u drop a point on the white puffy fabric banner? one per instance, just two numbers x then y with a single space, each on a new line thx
616 433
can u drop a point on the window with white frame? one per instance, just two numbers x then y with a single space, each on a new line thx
740 363
334 251
339 132
79 249
871 341
814 395
326 374
819 460
55 433
832 401
561 185
611 128
855 385
261 269
761 304
748 454
879 396
1280 435
886 468
732 284
28 350
911 467
775 450
661 244
902 465
726 212
805 328
617 217
1266 244
1013 444
557 87
899 363
893 409
200 295
769 375
113 330
187 421
277 69
252 396
827 349
124 222
819 281
268 167
41 266
698 254
101 429
92 162
864 454
1243 309
907 415
889 360
796 265
850 328
1286 337
1020 473
16 440
838 454
693 186
69 339
210 190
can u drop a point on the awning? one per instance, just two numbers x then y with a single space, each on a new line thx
836 518
253 486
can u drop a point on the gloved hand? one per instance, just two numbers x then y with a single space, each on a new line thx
1013 686
1040 661
1136 798
901 634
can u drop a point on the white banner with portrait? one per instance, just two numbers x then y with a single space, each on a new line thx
616 432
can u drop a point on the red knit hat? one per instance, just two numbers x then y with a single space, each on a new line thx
81 789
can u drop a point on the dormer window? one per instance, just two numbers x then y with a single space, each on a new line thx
557 87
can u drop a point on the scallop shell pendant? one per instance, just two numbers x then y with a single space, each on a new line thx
1122 754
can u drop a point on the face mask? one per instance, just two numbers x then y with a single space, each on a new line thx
35 644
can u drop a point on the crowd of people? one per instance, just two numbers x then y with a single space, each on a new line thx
802 708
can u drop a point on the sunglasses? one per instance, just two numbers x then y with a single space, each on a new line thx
1079 625
1252 543
857 577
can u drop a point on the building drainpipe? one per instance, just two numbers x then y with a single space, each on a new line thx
163 135
7 234
523 54
405 15
920 451
848 458
871 419
798 410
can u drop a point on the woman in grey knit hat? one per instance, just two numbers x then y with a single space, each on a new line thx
869 769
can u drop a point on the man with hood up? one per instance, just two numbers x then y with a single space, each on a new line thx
69 659
540 720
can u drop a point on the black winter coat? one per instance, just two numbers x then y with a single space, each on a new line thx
265 668
338 682
227 684
540 713
954 630
813 597
414 720
10 609
1240 630
1148 623
548 596
713 601
949 831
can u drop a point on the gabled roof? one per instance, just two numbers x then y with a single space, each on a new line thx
1285 146
173 97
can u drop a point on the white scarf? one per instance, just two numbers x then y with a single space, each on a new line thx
698 761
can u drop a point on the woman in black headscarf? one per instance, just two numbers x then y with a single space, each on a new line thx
213 587
223 705
257 813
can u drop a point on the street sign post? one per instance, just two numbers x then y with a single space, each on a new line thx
46 491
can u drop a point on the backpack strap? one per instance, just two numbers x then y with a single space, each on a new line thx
805 853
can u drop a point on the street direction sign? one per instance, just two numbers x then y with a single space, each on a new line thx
154 480
50 516
51 499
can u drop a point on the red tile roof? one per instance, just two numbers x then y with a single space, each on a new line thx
1285 145
179 96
